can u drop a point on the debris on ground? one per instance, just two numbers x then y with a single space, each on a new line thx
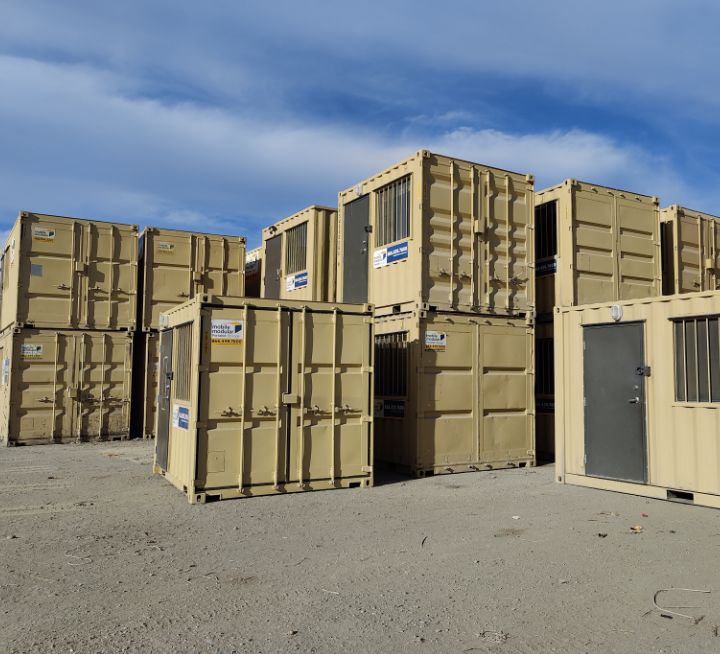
665 612
636 529
494 636
602 535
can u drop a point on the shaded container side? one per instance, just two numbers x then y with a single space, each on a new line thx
595 244
300 256
545 391
265 398
179 265
691 250
442 232
253 272
145 384
61 386
677 382
453 392
69 273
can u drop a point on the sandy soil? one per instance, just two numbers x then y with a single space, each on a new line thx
97 555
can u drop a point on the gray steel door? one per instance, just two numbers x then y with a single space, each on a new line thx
614 376
272 267
163 399
355 260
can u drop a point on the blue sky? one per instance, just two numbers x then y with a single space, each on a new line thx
229 115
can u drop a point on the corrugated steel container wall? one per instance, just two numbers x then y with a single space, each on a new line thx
253 273
544 391
267 399
60 386
683 449
307 270
608 246
454 392
179 265
691 252
470 242
69 273
149 388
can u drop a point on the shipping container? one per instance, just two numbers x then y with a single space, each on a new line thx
253 273
69 273
638 397
544 391
595 244
179 265
438 232
691 250
453 392
63 385
265 397
300 255
145 384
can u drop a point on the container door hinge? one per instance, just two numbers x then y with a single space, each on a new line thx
643 371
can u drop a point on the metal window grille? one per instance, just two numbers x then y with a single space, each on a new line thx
697 359
391 365
546 230
393 212
295 249
183 362
545 366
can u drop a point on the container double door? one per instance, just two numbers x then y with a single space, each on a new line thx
614 380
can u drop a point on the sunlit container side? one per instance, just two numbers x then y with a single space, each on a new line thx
440 233
453 392
300 256
62 385
265 397
253 272
638 397
69 273
544 391
691 250
179 265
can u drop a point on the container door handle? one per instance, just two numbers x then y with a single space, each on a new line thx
634 400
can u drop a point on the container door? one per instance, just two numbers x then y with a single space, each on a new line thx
614 375
273 252
355 259
163 405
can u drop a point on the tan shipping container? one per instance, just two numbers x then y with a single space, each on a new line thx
179 265
453 392
69 273
595 244
300 256
265 398
441 233
62 385
691 250
145 384
253 273
638 397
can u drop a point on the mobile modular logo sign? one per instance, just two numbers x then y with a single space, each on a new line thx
298 280
391 254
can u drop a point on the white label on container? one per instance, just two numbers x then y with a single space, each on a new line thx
298 280
227 332
163 247
181 416
43 234
30 351
435 341
6 371
391 254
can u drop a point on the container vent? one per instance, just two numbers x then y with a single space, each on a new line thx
546 230
296 249
183 362
391 362
697 359
393 212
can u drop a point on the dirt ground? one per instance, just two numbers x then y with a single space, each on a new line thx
98 555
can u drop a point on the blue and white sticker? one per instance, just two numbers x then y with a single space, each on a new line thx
436 341
391 254
181 417
547 267
227 332
298 280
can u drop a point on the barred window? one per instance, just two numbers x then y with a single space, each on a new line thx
182 369
697 359
391 362
546 230
393 212
545 366
296 249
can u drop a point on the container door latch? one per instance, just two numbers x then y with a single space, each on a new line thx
643 371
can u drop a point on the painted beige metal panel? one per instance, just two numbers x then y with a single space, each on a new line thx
278 400
693 261
316 280
150 384
608 244
69 273
454 392
470 245
60 386
253 272
683 450
179 265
